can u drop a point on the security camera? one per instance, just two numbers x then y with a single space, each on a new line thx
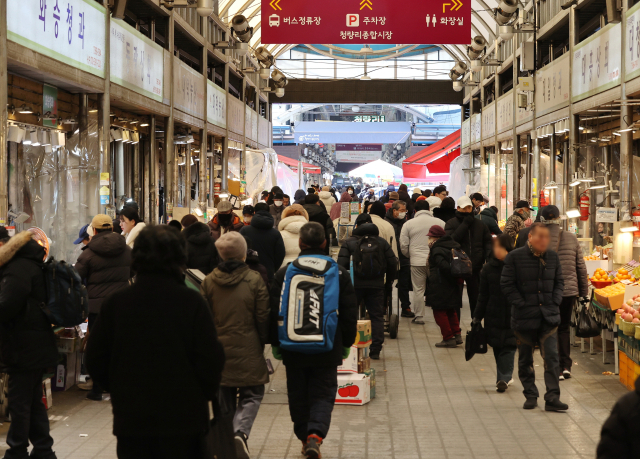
279 79
264 57
241 27
505 11
241 48
476 65
265 73
505 32
458 71
205 8
458 86
476 49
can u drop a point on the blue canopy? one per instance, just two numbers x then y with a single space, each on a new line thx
351 132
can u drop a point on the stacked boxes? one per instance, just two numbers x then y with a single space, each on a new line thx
356 379
47 399
628 369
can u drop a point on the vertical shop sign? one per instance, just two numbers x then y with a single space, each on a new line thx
49 106
476 127
596 63
465 138
505 111
216 105
247 121
236 114
188 89
69 31
489 121
632 51
552 86
136 61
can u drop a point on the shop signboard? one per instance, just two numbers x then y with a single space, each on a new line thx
489 120
505 111
366 21
235 114
606 214
49 106
523 115
254 126
137 63
72 32
596 63
465 138
476 127
247 121
552 86
358 153
216 105
632 50
263 131
188 89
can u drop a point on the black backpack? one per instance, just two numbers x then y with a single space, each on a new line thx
460 264
67 302
369 260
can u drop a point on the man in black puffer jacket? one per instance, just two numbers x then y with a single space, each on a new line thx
532 282
475 239
105 266
27 344
370 290
201 249
619 437
265 239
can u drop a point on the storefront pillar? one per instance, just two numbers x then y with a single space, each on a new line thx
4 116
566 180
202 164
574 122
626 137
153 174
528 171
586 226
104 119
552 164
516 172
225 142
83 132
187 178
170 182
137 195
535 171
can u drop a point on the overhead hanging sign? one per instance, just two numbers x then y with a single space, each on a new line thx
137 62
346 131
72 31
358 153
188 89
366 21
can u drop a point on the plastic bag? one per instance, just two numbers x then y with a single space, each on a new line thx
586 326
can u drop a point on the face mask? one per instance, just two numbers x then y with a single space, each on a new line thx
247 220
525 214
224 219
401 215
277 203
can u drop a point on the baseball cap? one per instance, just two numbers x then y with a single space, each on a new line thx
436 231
549 213
464 201
278 195
224 206
522 205
394 195
82 234
102 221
248 210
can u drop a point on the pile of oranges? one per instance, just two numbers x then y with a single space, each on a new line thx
600 276
623 274
592 257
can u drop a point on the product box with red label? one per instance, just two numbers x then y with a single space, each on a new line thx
364 334
67 371
353 389
47 399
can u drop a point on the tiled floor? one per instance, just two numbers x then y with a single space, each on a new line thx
431 403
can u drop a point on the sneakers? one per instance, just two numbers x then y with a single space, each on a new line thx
501 386
459 339
242 450
312 449
510 382
374 355
561 377
555 405
566 373
418 320
407 313
447 343
530 404
94 396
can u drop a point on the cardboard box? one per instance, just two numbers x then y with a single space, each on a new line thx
364 365
364 334
363 352
67 371
371 373
350 364
67 345
354 389
47 398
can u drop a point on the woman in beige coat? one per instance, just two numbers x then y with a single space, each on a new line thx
240 303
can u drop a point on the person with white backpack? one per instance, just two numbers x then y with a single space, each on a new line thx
314 317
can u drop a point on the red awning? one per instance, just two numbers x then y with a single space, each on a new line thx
433 178
416 165
441 165
293 164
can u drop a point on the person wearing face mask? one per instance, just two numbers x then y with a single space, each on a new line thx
370 196
276 208
247 214
224 221
516 222
475 239
352 193
442 294
397 216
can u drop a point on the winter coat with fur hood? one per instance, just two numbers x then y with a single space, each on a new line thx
289 228
327 198
27 341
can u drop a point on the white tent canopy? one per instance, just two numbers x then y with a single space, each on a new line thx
378 170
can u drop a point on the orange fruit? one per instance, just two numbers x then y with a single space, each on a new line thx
623 271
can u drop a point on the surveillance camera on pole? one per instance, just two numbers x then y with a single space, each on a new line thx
279 82
241 29
477 47
265 57
458 71
505 13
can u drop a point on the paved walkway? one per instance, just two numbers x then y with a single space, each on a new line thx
430 404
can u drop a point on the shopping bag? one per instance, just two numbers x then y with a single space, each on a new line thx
586 326
218 441
476 342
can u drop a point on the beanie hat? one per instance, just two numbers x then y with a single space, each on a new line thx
231 246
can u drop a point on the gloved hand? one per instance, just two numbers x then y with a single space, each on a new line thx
275 350
345 352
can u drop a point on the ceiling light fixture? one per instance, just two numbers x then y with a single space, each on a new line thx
573 213
144 124
24 109
629 229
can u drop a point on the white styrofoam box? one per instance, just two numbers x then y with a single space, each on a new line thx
353 389
350 364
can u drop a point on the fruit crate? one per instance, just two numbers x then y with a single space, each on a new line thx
630 346
628 370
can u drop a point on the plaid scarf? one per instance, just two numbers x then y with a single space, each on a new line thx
535 253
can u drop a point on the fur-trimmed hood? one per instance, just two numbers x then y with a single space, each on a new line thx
13 246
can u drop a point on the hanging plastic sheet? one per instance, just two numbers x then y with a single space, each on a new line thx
461 182
58 187
287 180
261 167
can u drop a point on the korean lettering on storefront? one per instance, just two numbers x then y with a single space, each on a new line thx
70 31
596 63
505 111
465 137
476 127
216 105
552 86
188 89
489 120
632 53
369 119
136 61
